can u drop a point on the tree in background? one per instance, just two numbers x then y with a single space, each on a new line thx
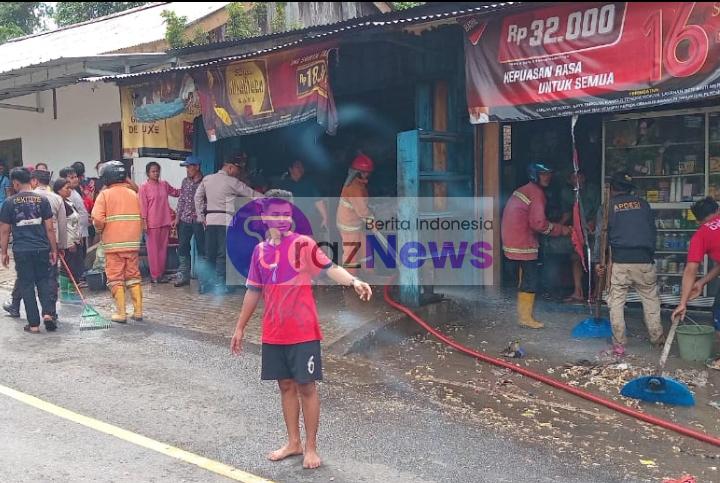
175 29
241 22
406 5
21 18
68 13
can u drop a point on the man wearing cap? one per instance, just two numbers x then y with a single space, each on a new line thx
631 236
215 207
188 226
522 221
39 181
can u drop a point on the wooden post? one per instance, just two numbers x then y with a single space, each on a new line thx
491 189
408 186
440 152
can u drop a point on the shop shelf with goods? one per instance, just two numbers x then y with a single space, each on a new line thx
667 154
714 155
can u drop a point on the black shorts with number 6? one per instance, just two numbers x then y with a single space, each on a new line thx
300 362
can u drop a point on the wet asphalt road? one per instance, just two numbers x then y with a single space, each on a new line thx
186 390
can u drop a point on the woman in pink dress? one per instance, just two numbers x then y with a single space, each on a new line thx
157 219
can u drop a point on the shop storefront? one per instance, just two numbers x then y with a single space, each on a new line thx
636 68
674 158
322 103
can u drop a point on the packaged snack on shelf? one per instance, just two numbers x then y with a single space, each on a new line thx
715 164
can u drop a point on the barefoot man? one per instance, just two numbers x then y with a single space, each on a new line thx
281 271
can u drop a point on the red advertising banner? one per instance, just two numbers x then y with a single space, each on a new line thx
266 93
591 57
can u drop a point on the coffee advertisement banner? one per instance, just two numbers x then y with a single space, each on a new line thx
594 57
157 117
267 93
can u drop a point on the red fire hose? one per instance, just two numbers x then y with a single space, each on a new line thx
663 423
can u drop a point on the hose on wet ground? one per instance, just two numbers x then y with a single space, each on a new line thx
663 423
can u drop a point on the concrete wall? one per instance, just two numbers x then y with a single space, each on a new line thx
74 135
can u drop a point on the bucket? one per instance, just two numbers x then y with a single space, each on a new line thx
67 291
96 280
695 342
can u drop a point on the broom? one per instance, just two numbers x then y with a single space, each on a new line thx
596 326
90 319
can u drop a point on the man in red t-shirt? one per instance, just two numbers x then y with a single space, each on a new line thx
281 270
705 241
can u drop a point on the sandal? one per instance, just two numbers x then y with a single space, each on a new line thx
29 329
50 325
713 364
573 300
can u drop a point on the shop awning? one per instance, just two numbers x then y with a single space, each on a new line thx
69 70
119 43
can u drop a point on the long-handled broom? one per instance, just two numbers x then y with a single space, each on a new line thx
596 326
90 319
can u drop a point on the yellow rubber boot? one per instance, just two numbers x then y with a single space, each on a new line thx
118 293
525 303
137 300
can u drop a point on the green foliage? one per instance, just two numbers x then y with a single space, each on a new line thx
8 32
200 37
21 18
68 13
406 5
278 21
175 29
241 22
260 14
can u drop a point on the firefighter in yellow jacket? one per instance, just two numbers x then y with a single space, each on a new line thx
116 215
353 212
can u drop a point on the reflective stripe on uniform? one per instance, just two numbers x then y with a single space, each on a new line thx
520 250
342 227
122 218
521 197
112 246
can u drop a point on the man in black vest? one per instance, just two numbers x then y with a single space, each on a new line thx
631 236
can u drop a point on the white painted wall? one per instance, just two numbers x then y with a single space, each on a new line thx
74 135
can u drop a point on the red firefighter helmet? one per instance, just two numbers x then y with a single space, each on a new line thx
363 163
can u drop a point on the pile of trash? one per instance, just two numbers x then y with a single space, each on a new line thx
610 378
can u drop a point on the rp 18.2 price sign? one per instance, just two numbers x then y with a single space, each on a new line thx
591 57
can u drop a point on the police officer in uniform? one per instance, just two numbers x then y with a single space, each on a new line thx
215 207
631 236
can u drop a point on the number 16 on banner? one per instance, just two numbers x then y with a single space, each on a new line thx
667 50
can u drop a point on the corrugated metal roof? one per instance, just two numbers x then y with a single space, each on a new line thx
108 34
69 70
395 19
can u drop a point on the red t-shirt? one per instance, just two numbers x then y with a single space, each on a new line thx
284 273
705 241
